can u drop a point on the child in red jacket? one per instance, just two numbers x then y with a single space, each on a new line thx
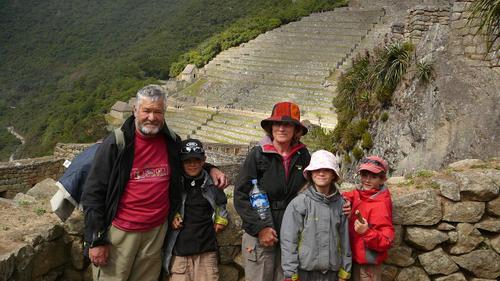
370 226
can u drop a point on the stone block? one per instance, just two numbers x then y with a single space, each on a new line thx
493 207
7 266
425 238
459 276
228 253
44 189
24 262
412 273
458 7
470 49
445 226
478 185
418 208
77 258
73 275
231 236
467 211
229 273
23 199
489 224
449 189
437 262
48 256
468 238
482 263
495 243
400 256
398 235
389 272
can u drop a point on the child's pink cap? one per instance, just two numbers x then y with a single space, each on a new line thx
373 164
322 159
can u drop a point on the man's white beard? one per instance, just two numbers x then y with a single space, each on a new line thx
149 131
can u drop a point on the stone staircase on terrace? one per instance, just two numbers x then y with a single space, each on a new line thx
215 126
294 62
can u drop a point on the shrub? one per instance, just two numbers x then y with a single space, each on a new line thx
366 141
358 153
365 88
425 71
384 117
488 13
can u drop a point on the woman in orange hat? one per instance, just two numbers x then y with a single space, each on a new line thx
276 164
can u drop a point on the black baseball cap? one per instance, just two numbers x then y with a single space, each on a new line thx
192 148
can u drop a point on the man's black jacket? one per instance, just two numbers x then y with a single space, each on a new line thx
109 175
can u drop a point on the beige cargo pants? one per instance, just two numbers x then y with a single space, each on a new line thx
133 256
202 267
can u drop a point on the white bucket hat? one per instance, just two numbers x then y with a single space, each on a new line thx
322 159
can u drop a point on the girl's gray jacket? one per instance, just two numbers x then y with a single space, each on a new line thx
315 235
217 199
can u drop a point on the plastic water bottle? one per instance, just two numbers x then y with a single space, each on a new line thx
259 201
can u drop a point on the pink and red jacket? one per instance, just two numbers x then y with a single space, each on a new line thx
376 207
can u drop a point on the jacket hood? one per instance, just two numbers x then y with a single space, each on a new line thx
320 197
374 194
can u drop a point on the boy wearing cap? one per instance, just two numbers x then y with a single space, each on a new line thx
191 249
370 226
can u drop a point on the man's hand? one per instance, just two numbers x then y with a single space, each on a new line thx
360 227
99 255
177 223
219 178
347 208
219 227
268 237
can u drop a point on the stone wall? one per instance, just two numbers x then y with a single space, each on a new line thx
421 18
21 175
449 231
69 150
465 41
447 228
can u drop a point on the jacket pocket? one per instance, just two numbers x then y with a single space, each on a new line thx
179 265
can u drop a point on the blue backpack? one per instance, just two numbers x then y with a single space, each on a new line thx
73 180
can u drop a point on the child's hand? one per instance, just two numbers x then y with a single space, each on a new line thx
360 227
347 208
219 227
177 223
341 279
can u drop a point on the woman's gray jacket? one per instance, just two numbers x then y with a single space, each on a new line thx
315 235
217 199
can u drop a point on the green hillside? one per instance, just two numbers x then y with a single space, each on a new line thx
64 63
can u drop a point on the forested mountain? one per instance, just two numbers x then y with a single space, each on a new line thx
64 63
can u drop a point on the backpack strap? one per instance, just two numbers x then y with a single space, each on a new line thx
120 139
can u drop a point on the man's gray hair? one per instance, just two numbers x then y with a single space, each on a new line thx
151 92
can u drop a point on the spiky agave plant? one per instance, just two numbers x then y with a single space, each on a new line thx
392 64
488 14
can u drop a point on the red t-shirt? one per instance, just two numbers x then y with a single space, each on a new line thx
144 204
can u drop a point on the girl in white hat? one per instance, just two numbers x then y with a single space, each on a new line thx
314 233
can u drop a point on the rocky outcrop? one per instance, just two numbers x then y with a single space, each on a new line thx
455 116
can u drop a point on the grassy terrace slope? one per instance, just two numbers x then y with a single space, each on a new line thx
65 62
